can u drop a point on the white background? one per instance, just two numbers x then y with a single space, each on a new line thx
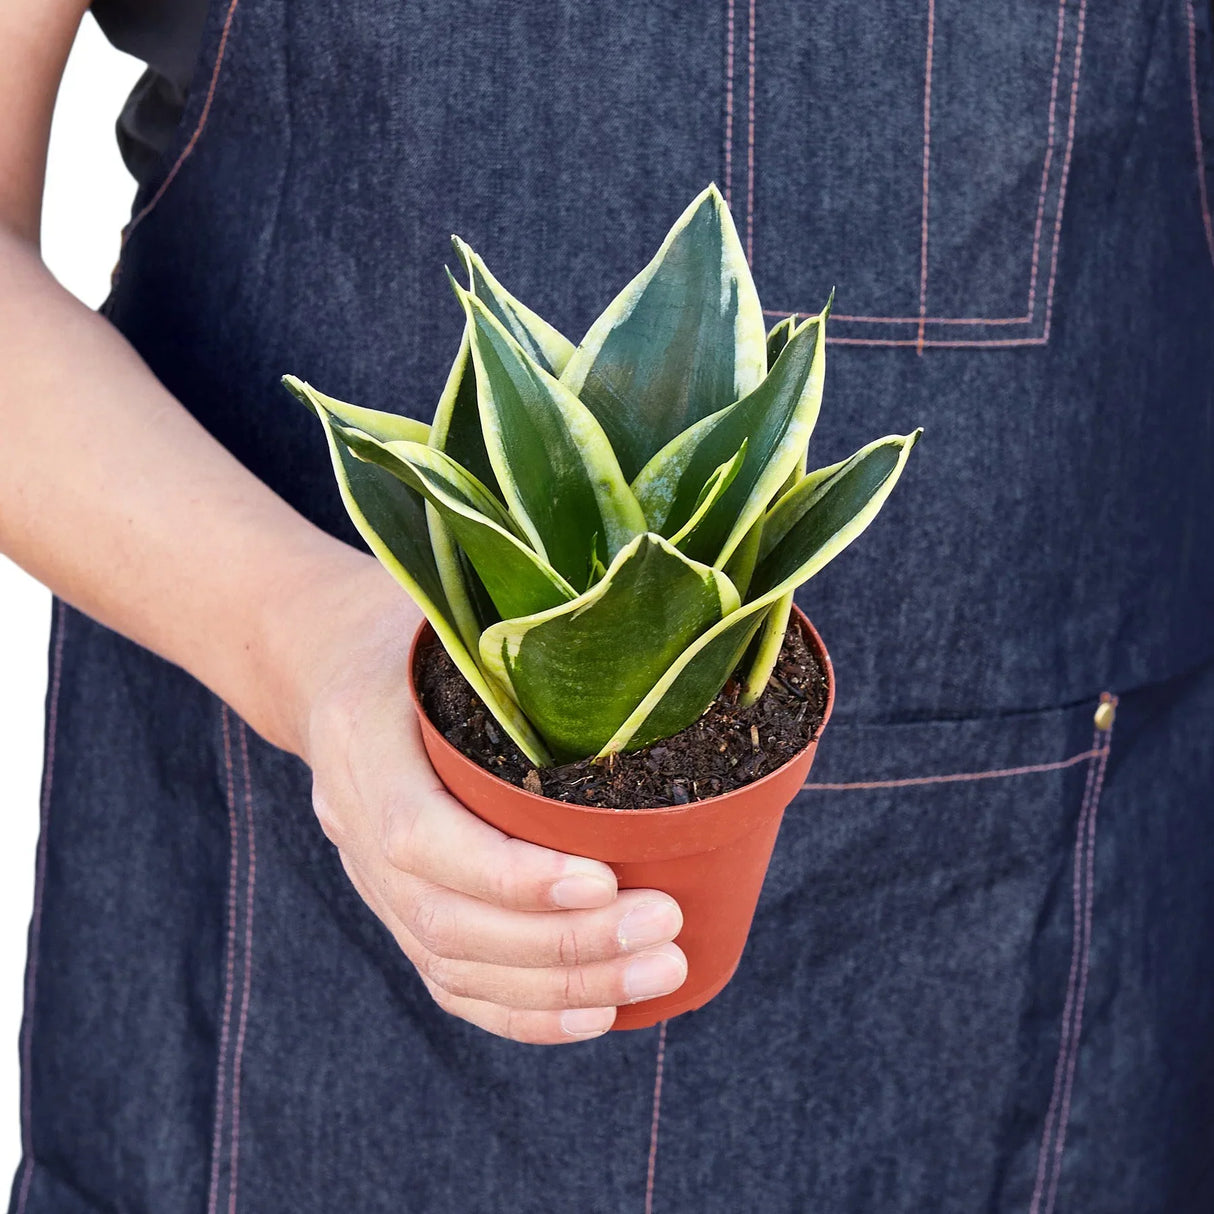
88 198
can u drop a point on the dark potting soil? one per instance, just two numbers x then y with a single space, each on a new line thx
725 749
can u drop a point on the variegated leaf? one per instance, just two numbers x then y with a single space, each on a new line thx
682 340
717 483
766 650
457 419
822 514
385 427
777 337
381 425
553 462
456 431
518 581
741 564
841 507
578 670
390 516
690 684
777 418
458 577
545 346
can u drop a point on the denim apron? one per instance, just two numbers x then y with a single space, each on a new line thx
981 975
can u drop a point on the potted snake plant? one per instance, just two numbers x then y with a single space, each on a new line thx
605 540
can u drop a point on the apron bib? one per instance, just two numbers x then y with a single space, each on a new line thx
981 974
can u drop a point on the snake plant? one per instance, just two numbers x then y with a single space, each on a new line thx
599 534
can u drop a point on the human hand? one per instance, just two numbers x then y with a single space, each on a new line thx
520 940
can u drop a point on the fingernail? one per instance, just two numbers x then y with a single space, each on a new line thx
649 923
587 1021
582 890
656 973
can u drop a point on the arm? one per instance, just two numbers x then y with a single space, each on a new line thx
105 472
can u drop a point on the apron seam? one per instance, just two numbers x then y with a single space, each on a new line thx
195 135
229 964
750 134
729 22
234 1157
1082 899
657 1117
1198 143
920 342
994 773
927 164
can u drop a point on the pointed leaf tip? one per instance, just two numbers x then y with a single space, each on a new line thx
375 422
551 459
683 339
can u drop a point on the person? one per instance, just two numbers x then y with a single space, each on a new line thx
981 974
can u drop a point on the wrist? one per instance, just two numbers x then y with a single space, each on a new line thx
325 606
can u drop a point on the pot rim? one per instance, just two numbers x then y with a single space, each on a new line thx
425 631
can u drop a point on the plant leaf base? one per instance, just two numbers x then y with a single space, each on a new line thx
729 746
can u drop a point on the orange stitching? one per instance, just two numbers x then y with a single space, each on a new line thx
750 138
226 1021
1197 141
729 103
1086 961
657 1116
927 161
1049 159
189 147
956 777
1064 1040
1066 169
919 342
937 343
914 320
242 1024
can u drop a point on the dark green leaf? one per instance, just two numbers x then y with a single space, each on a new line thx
682 340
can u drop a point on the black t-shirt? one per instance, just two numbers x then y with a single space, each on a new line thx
165 34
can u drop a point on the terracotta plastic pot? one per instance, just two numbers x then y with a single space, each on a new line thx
710 856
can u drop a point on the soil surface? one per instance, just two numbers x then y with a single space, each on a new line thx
725 749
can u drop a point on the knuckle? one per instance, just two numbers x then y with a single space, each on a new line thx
511 1027
451 977
399 843
510 878
521 1026
430 925
326 815
430 967
576 990
500 883
569 948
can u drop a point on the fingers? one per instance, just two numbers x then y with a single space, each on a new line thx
527 1025
490 994
374 787
524 941
429 834
601 984
462 928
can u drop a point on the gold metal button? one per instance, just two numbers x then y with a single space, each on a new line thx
1105 713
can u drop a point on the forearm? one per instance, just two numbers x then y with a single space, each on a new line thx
120 502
